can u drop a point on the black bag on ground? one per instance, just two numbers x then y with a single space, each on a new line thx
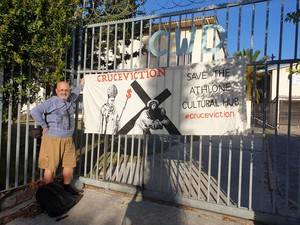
54 199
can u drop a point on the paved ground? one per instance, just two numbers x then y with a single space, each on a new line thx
103 207
100 207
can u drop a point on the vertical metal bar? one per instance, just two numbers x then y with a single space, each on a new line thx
295 56
9 124
18 136
253 97
240 172
202 32
278 66
111 157
190 56
150 34
252 27
81 144
131 160
214 35
92 156
219 169
85 49
209 168
298 211
251 171
115 46
267 27
200 166
132 42
145 158
34 147
274 152
153 158
78 76
227 28
86 154
100 46
184 60
125 159
118 157
177 164
138 160
123 44
141 44
26 133
190 167
92 48
107 46
178 56
287 156
169 41
229 170
159 43
184 157
239 28
105 157
98 157
1 106
161 165
169 166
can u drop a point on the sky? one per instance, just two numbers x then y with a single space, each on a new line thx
246 39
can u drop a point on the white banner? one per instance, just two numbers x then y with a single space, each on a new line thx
197 99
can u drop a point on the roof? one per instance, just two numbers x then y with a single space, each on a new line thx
186 23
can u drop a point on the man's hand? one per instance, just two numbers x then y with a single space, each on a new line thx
156 124
82 81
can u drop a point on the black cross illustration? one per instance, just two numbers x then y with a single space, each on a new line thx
170 127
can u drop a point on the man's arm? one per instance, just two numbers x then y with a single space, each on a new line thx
39 111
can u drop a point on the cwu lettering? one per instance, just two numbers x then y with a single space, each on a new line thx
186 48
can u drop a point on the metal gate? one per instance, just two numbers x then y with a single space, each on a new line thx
255 176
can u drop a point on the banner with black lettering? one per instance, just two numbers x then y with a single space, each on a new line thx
198 99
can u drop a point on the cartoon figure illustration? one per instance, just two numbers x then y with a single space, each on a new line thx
152 118
109 118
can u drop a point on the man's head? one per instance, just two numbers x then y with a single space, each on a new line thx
152 111
152 104
63 90
111 101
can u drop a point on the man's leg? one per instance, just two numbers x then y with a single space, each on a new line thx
67 175
48 176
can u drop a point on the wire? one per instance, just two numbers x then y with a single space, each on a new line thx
157 7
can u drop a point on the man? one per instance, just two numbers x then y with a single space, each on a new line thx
56 117
109 117
152 118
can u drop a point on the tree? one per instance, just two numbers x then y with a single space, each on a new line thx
295 18
35 36
252 73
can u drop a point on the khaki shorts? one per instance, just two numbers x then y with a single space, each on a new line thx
55 150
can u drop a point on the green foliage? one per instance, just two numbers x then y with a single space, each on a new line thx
254 76
110 10
295 18
34 34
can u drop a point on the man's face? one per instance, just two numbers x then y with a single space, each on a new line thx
63 90
153 105
111 101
